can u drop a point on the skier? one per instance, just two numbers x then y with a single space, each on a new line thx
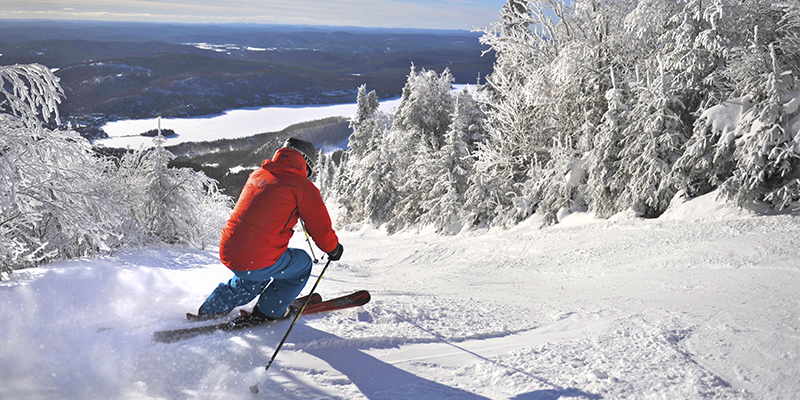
255 239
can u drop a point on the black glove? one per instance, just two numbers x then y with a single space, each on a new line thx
336 254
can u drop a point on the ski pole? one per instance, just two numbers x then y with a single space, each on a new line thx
303 223
254 388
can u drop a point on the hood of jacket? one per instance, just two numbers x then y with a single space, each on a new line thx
286 160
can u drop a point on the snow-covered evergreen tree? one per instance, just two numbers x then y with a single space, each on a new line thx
693 46
767 155
60 199
363 185
55 200
546 89
789 29
418 131
367 192
413 186
470 111
578 113
607 178
652 142
556 183
425 107
394 164
707 159
450 166
171 205
363 124
715 150
379 194
512 96
325 174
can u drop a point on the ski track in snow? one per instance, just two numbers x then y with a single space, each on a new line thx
696 304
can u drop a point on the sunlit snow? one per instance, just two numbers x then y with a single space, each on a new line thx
700 303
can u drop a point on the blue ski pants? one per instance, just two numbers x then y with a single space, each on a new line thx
277 286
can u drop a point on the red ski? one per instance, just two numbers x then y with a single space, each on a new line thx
354 299
246 321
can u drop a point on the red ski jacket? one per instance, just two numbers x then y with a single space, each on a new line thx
275 195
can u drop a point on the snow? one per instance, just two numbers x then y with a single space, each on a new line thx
700 303
724 118
794 127
791 102
791 106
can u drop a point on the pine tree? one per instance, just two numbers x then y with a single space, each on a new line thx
363 124
511 121
607 179
363 185
372 197
426 104
471 112
577 113
55 201
546 90
413 187
171 205
418 130
708 159
556 183
725 144
789 29
652 142
695 46
767 156
324 174
450 166
364 143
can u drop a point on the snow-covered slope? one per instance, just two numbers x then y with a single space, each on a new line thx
701 303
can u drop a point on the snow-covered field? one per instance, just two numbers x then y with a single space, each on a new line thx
700 303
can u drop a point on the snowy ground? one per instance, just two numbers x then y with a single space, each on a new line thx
701 303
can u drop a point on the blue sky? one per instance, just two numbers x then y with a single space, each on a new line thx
427 14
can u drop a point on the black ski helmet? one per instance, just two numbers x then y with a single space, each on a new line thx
306 149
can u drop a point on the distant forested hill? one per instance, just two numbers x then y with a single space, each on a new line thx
136 70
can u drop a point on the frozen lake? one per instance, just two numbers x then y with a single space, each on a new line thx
229 125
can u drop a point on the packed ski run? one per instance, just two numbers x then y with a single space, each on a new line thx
700 303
